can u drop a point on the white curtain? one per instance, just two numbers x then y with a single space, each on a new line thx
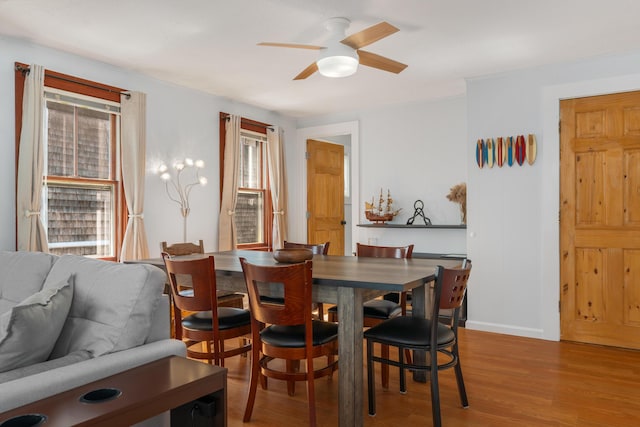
227 238
132 148
278 185
31 233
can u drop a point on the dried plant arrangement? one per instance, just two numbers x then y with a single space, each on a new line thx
458 194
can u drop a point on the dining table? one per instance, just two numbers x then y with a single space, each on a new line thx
347 281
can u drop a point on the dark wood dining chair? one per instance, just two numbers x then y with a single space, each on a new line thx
317 249
186 248
379 309
291 334
429 335
197 317
225 298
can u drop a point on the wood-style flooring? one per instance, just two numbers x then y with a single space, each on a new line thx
511 381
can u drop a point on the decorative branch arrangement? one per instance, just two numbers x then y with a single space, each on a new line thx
458 194
177 190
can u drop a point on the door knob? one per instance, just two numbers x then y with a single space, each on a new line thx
343 222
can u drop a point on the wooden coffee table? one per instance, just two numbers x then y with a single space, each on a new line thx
173 383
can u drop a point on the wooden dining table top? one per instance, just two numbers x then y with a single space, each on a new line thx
388 274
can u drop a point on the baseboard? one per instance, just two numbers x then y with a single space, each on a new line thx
505 329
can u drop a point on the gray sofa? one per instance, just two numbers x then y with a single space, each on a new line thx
69 320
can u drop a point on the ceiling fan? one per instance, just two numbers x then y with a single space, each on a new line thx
341 56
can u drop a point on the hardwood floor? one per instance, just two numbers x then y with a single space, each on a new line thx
511 381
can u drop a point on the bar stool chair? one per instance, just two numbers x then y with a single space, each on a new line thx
207 323
430 335
291 333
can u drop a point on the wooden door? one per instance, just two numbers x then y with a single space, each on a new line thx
600 219
325 195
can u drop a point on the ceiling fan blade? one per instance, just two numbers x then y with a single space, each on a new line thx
370 35
307 72
380 62
292 45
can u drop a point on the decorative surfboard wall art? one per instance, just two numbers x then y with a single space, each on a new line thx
480 153
506 151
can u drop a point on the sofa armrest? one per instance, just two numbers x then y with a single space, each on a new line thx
39 386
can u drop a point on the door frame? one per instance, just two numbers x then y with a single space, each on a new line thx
550 186
320 132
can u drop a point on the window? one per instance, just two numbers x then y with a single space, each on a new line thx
79 199
253 213
83 208
250 207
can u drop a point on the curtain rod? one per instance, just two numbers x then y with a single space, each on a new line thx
25 70
228 117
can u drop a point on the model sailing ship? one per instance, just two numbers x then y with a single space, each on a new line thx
383 212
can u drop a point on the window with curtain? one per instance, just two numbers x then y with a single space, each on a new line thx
79 201
252 190
253 212
83 208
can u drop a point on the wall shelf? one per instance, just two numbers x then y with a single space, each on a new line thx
449 226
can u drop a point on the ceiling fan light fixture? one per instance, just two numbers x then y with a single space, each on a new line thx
337 60
337 66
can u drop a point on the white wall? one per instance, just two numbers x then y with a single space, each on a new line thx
417 151
513 212
180 122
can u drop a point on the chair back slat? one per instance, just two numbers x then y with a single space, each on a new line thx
384 251
183 248
203 279
452 286
295 281
317 249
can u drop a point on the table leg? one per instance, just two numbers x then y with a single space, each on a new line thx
419 298
350 385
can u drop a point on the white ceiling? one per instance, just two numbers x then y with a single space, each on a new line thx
210 45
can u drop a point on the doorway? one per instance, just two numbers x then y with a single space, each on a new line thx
600 219
338 133
549 156
325 194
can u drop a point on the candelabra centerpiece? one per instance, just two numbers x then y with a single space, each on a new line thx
177 189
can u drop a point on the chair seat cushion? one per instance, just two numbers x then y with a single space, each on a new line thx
293 336
378 309
395 297
228 317
409 331
381 309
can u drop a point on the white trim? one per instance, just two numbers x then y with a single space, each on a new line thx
80 100
550 206
345 128
505 329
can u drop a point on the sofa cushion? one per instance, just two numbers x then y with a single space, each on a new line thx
112 304
47 365
22 275
29 330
